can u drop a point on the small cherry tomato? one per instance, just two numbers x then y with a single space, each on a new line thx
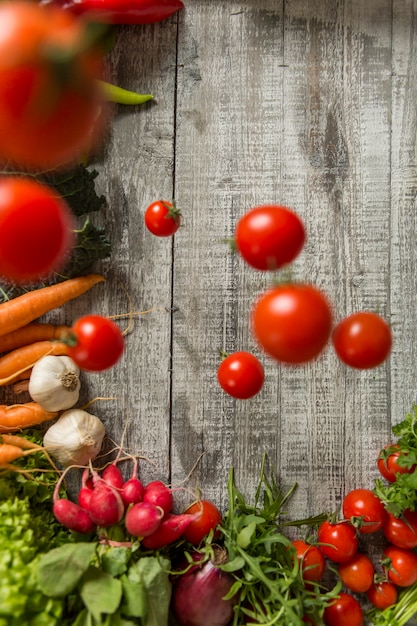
162 218
312 561
96 343
362 340
345 610
209 519
241 375
358 573
400 565
292 322
388 465
268 237
338 542
36 230
401 532
382 595
364 509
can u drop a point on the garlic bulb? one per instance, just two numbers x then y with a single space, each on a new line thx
75 438
54 383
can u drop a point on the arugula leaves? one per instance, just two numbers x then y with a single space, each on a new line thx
402 494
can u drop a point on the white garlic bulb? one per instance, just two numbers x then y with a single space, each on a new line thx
54 383
75 438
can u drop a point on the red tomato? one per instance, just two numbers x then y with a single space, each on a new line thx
362 340
344 611
98 343
270 236
48 107
36 230
388 465
311 560
241 375
401 566
209 519
401 532
292 322
362 507
382 595
162 218
339 541
358 573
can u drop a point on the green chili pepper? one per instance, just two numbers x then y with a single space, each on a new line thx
113 93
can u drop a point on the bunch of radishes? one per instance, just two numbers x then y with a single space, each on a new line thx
106 499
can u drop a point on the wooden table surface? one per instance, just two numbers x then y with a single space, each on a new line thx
308 103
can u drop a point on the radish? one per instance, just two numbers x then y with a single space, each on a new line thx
169 530
72 516
106 506
113 476
158 494
86 490
132 491
143 518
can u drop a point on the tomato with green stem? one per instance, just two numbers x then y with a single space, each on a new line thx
36 230
268 237
401 531
362 340
95 343
358 573
400 566
241 375
162 218
292 322
388 464
382 594
49 98
338 541
364 509
345 610
311 560
208 517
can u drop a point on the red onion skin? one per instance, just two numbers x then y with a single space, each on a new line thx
198 597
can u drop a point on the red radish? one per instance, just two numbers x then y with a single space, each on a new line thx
84 497
132 491
158 494
72 516
143 518
169 530
198 595
106 506
113 476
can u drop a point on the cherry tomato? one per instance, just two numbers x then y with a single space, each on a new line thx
36 230
292 323
362 340
345 610
311 560
268 237
358 573
209 519
388 465
382 595
363 507
48 107
241 375
401 532
339 541
96 343
400 565
162 218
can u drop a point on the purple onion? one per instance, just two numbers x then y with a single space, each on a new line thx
197 596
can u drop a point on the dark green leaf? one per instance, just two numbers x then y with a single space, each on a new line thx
77 187
61 569
114 560
134 598
100 592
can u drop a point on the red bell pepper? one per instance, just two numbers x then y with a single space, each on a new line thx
121 11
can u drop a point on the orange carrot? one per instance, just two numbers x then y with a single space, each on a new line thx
19 442
14 363
31 305
19 416
30 334
9 453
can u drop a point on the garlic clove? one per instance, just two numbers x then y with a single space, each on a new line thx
54 383
75 438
